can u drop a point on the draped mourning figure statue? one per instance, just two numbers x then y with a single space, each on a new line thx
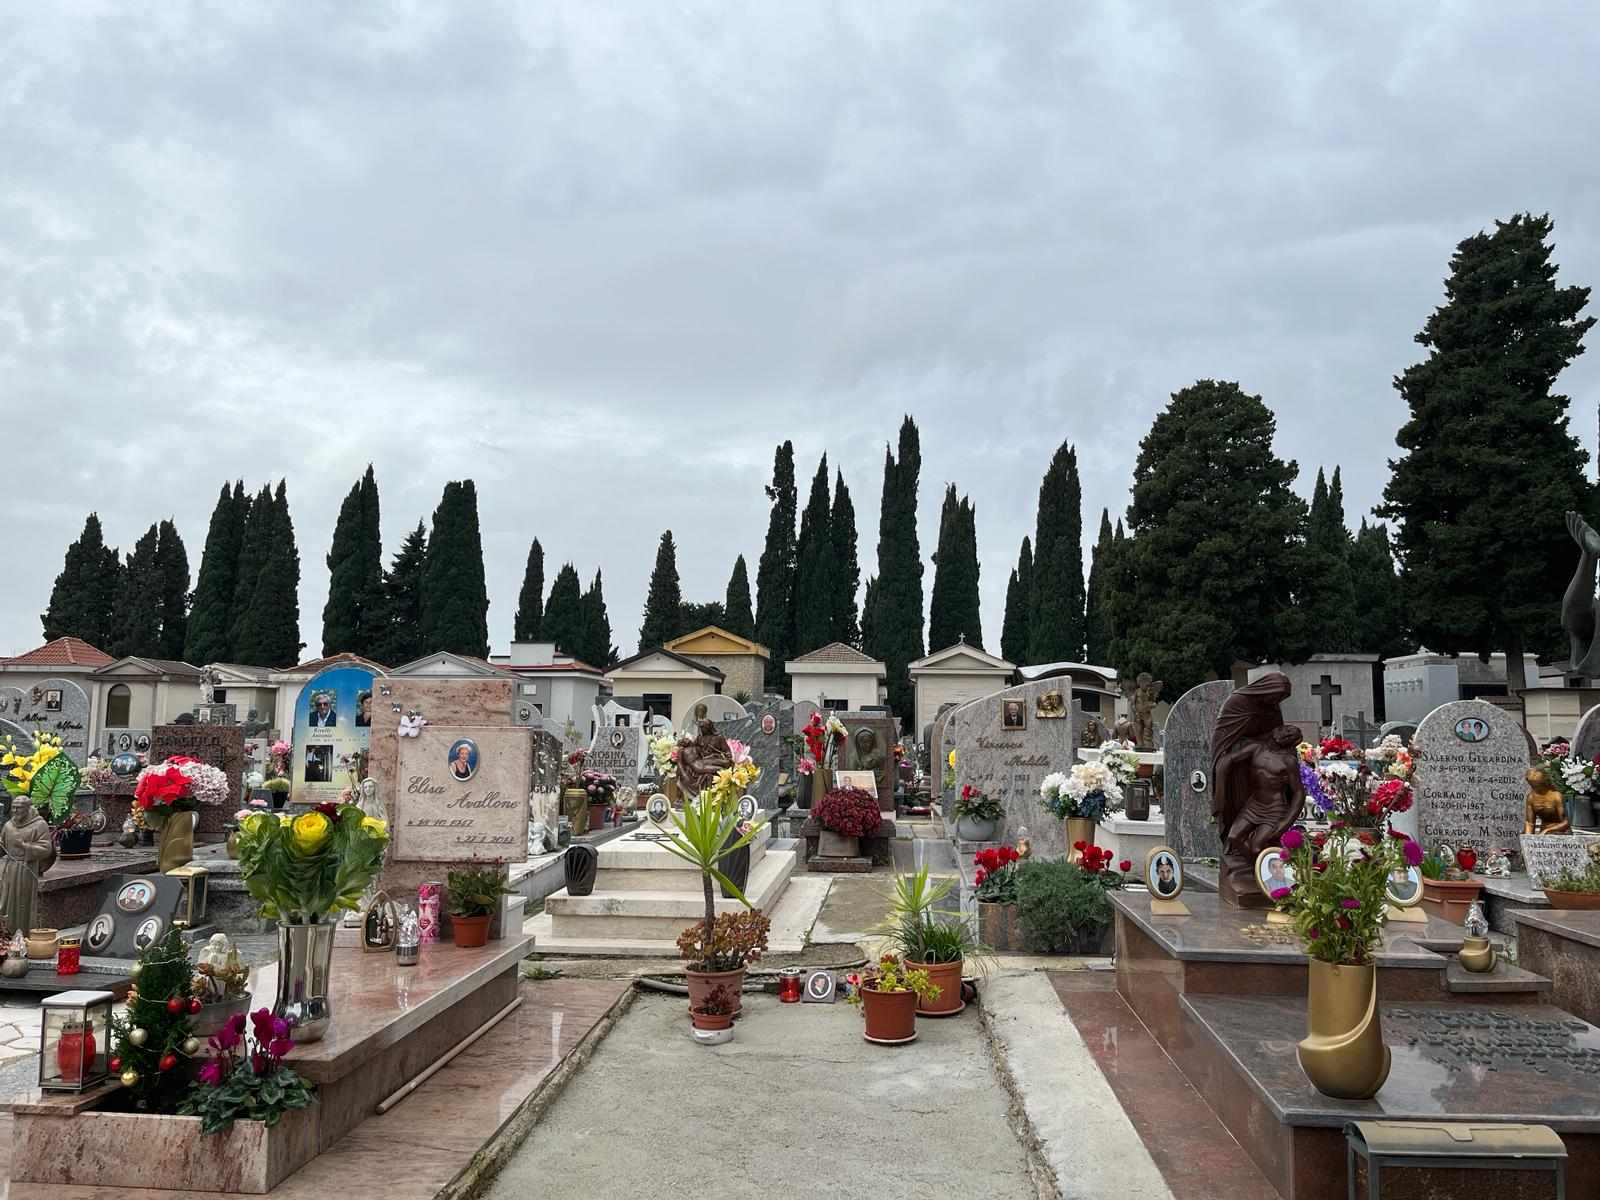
1256 790
1580 611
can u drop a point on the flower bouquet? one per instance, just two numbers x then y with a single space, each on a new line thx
178 785
44 775
246 1077
1085 793
1362 793
850 812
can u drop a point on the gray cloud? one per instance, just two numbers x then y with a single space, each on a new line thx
602 258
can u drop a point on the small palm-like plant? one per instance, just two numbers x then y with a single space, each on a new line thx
704 834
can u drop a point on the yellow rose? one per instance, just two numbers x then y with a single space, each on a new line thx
373 825
309 832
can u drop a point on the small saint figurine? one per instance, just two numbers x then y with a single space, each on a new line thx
29 852
700 758
1546 810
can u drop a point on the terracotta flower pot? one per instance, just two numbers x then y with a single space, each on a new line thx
998 926
1450 898
711 1020
1343 1052
891 1017
1572 899
471 932
701 984
947 978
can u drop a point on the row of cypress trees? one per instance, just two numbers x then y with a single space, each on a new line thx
138 605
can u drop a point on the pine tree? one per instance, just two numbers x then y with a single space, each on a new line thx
139 608
269 625
1379 626
953 611
846 566
775 571
1212 549
402 601
209 637
739 618
530 600
172 566
255 542
1014 632
694 615
455 598
896 622
1096 618
598 649
352 619
1056 602
154 1065
563 613
1488 465
84 600
815 589
664 604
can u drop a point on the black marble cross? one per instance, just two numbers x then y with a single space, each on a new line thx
1327 689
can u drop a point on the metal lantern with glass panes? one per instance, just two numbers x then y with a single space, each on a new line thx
196 891
74 1040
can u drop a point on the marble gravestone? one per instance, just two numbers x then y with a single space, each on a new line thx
1469 786
1585 741
756 731
617 750
1009 762
1546 855
58 706
451 812
1186 791
221 746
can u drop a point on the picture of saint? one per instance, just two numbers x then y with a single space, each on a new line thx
1050 707
1273 871
1404 887
1014 715
1164 874
364 710
52 699
323 715
463 759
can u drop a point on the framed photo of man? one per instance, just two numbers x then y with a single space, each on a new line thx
1163 875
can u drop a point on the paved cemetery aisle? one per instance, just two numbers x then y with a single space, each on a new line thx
797 1104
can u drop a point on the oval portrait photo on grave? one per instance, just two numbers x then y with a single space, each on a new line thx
1404 888
1273 871
1163 873
463 759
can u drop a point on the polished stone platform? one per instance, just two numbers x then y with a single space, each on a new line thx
69 892
1564 943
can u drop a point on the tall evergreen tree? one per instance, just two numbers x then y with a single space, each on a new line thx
209 637
402 591
172 565
269 625
846 565
255 543
775 571
953 610
815 586
1014 631
896 621
1379 626
353 618
697 614
1323 618
1488 466
1212 552
664 604
563 614
1056 603
139 606
455 599
530 600
869 614
84 600
738 616
1096 617
598 649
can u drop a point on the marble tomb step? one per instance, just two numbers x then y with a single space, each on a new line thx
631 865
658 914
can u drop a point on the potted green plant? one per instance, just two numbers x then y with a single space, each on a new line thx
846 814
937 945
474 894
1448 887
1574 888
994 888
887 993
712 1017
1062 906
978 815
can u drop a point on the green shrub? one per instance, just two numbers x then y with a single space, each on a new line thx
1058 904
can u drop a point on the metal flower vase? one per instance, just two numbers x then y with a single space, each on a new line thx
305 960
1343 1053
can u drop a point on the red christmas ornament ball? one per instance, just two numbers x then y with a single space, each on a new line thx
175 1005
115 1066
168 1061
195 1005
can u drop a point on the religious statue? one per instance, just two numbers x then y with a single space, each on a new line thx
1093 733
865 753
1256 792
1123 731
30 851
1142 696
1580 611
701 757
1545 810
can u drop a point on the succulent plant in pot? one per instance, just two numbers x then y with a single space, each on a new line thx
887 994
714 1014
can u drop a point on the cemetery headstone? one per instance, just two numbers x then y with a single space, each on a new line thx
220 745
333 717
1008 760
1586 738
126 741
1470 786
1356 729
718 708
869 749
618 751
58 706
1404 730
464 791
765 746
1186 791
1546 855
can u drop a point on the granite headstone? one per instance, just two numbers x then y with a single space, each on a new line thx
58 706
718 707
619 752
221 746
1546 855
765 747
1469 785
1186 790
1008 763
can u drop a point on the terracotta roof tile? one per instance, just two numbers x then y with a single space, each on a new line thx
62 652
836 652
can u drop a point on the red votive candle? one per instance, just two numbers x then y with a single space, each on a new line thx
789 985
67 957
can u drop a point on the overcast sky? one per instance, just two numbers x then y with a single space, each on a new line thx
601 257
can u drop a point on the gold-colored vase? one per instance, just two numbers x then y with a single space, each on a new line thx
1343 1053
175 841
1079 829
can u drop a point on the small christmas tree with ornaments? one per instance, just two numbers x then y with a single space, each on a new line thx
153 1039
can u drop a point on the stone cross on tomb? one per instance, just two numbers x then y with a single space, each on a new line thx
1360 731
1327 690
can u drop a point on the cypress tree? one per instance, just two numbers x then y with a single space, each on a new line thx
698 614
209 636
1119 575
139 608
775 571
869 610
352 619
598 649
254 544
530 600
941 620
270 625
1379 617
1096 618
953 611
172 565
1323 618
663 615
1014 631
815 587
1488 465
846 565
402 603
1056 602
738 616
84 600
455 599
1212 551
968 605
563 614
897 620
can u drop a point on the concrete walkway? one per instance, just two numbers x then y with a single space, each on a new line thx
798 1104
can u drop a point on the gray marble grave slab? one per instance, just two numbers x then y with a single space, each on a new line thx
1186 795
618 750
1009 762
1469 784
765 747
58 706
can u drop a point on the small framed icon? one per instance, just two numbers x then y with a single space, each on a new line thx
821 988
1163 873
748 807
1404 887
658 808
1274 874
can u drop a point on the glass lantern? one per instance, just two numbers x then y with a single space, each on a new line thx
1476 925
74 1041
196 891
